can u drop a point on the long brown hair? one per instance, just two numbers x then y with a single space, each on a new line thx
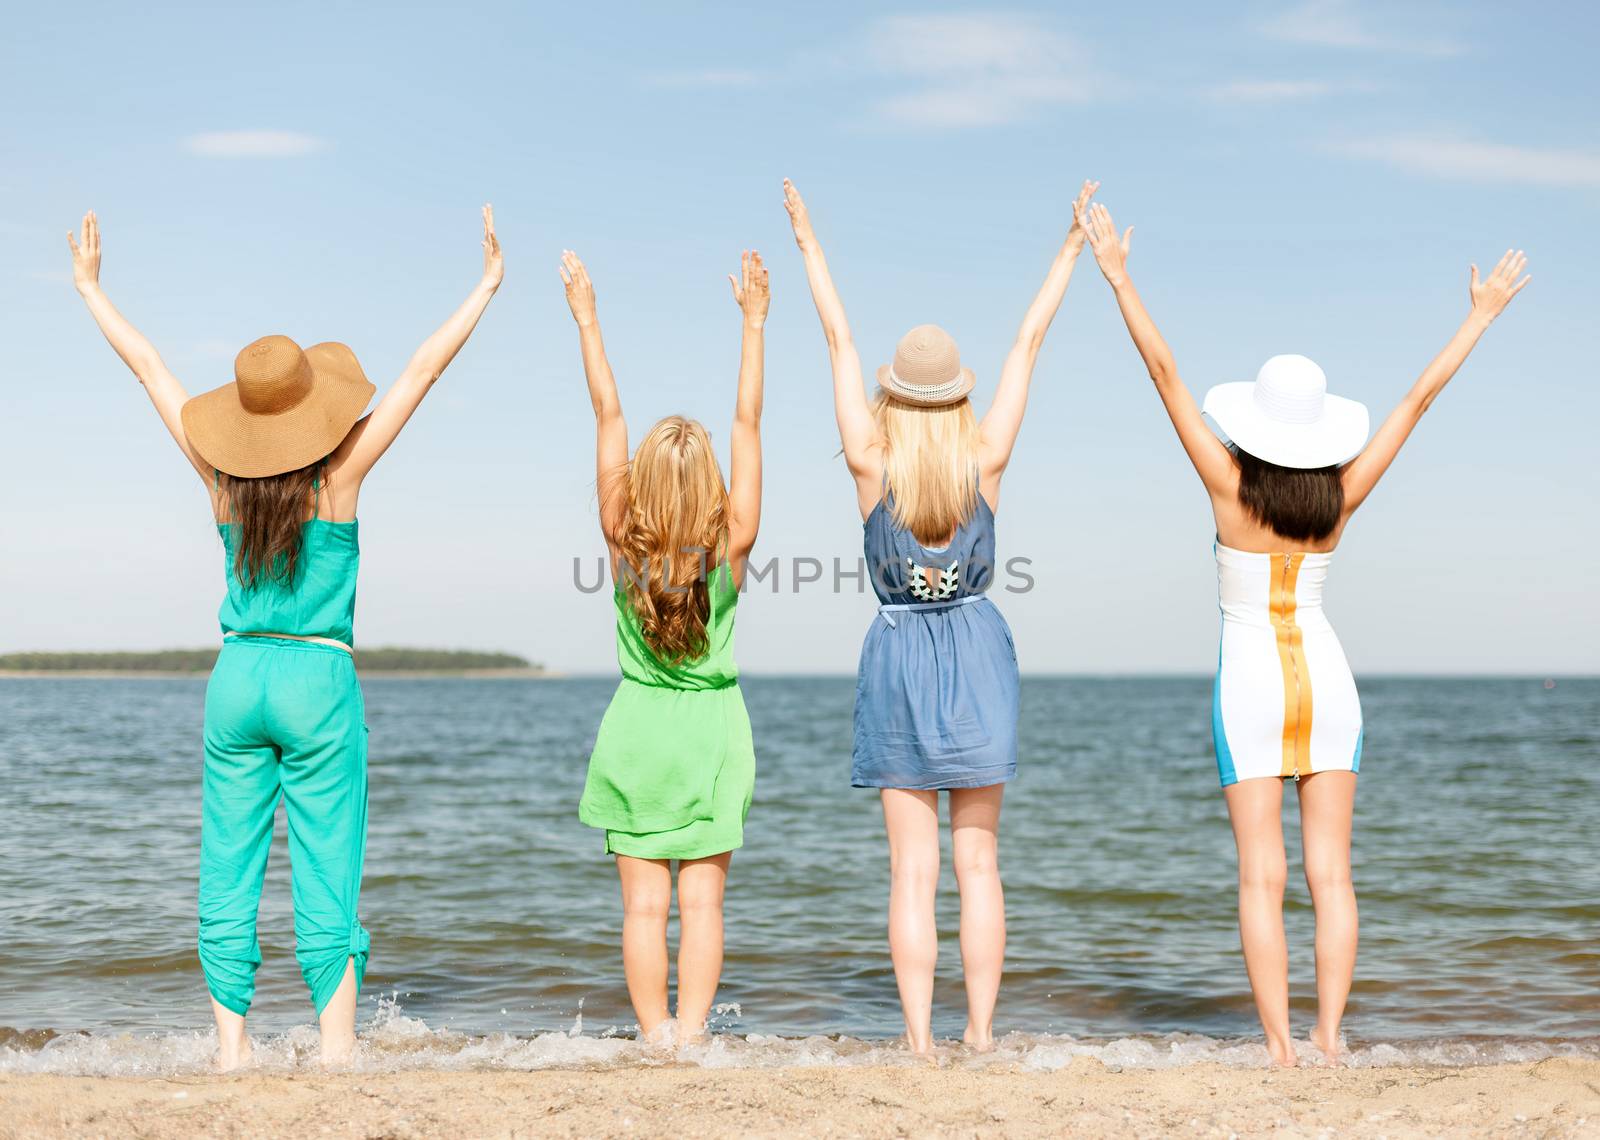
930 463
674 528
1303 504
269 513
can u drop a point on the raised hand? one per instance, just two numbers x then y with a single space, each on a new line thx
1075 236
86 253
1489 296
799 218
494 265
580 290
751 291
1109 253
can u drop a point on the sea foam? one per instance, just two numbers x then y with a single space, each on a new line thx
394 1041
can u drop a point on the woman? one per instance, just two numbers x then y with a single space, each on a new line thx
1296 467
674 765
283 451
937 691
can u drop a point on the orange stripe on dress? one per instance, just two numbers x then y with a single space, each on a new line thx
1291 659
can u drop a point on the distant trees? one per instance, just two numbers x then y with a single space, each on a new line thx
386 660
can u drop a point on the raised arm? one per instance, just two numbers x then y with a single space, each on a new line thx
1489 298
752 293
858 431
370 438
1208 453
611 433
163 388
1003 420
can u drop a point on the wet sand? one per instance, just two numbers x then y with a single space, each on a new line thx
1552 1098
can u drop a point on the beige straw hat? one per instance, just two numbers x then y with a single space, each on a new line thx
927 369
286 408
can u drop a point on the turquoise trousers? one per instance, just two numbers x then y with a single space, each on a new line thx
284 719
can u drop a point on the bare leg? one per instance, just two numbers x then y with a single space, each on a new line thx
912 821
646 897
1327 802
338 1020
1256 809
233 1043
974 827
700 887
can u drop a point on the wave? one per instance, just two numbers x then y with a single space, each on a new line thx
396 1042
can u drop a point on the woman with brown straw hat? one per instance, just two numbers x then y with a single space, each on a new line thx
937 690
1295 465
283 451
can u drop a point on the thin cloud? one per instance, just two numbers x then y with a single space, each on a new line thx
709 77
253 144
1340 24
974 69
1479 161
1274 90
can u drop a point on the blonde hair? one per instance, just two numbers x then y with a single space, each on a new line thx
930 464
674 528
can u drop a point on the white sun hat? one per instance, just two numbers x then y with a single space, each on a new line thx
1286 416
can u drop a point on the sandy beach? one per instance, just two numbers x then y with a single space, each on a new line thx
1551 1098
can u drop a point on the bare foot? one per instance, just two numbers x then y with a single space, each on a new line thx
1282 1054
336 1054
922 1048
232 1055
978 1042
661 1035
692 1035
1330 1045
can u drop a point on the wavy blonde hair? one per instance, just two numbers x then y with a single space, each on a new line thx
673 531
930 463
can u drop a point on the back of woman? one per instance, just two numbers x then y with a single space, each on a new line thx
284 450
1295 466
937 691
673 768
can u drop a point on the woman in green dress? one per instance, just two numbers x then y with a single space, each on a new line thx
673 766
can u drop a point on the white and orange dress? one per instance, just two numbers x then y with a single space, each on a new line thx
1285 704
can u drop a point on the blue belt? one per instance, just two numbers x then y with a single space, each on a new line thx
925 607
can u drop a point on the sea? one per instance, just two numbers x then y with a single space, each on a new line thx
495 914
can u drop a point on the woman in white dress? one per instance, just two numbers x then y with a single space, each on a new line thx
1295 466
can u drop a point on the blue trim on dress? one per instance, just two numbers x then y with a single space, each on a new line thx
1361 737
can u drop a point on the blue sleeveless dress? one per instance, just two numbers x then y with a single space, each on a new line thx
937 688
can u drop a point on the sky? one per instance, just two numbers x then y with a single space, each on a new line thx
1303 177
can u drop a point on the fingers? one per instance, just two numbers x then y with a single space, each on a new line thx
1514 270
1475 281
1519 286
572 271
566 278
792 201
1500 266
72 241
1127 241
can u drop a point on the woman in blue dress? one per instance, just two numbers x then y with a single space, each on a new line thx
936 696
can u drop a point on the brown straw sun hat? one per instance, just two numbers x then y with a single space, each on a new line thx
286 408
927 369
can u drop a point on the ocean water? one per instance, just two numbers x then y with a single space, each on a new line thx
494 913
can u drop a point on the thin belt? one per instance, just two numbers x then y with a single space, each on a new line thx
888 608
328 641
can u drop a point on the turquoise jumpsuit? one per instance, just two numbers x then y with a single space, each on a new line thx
286 718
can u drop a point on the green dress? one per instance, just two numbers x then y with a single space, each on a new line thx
674 764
